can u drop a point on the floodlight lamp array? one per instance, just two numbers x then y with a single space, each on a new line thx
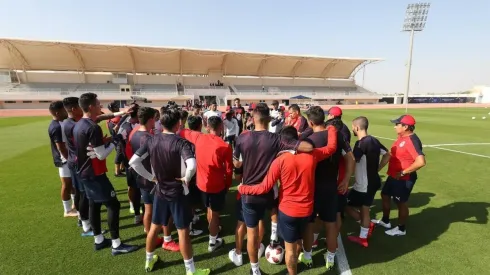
416 17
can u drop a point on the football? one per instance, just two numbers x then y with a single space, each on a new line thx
274 254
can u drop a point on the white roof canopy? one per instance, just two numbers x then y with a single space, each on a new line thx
27 55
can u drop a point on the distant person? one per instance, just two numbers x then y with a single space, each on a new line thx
231 128
60 155
239 112
295 119
213 111
406 158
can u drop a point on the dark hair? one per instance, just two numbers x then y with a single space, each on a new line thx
86 100
157 114
214 122
70 103
213 103
113 106
361 122
336 122
194 123
294 107
236 99
163 109
229 115
289 132
183 114
55 106
170 118
134 113
410 128
316 115
262 112
197 106
145 114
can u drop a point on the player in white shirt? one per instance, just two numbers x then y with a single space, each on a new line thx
211 112
231 128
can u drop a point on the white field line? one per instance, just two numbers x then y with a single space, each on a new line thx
342 262
436 146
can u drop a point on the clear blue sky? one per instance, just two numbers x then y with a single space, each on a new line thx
452 54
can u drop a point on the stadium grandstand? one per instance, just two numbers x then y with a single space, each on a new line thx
33 73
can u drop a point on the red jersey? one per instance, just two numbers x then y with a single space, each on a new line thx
297 176
214 161
403 154
299 123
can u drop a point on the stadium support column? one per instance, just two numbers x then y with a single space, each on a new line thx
409 68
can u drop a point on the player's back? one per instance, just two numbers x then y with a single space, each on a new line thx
86 132
297 188
55 136
68 126
168 153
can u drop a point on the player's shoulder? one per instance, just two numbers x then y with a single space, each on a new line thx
415 140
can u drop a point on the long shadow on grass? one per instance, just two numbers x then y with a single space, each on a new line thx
423 229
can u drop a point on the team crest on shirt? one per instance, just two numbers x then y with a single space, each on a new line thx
402 144
113 193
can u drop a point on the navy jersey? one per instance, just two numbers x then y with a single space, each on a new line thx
367 152
125 129
137 140
68 125
56 136
258 149
346 133
86 132
167 154
327 170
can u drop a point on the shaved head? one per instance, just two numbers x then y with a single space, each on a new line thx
361 122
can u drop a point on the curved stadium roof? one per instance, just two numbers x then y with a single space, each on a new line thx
16 54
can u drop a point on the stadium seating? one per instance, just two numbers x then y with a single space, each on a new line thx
154 88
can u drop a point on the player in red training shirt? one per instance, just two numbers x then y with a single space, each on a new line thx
296 172
406 158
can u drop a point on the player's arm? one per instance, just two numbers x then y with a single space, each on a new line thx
228 155
415 150
349 160
59 139
190 161
237 128
237 162
267 184
326 151
385 157
190 135
108 116
136 162
96 140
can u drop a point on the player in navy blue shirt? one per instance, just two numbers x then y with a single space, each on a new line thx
367 152
92 152
173 165
60 155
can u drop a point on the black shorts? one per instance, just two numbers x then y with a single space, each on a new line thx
341 202
291 229
147 196
179 209
98 188
400 190
75 180
215 201
119 154
325 205
131 177
194 196
358 199
253 213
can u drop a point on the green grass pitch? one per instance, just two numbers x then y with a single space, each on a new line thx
447 232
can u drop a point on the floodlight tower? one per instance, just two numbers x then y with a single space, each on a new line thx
415 19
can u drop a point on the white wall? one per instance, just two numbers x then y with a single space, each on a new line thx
154 79
286 82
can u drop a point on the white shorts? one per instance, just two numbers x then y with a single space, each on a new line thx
64 171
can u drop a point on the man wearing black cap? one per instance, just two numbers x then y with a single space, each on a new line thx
406 158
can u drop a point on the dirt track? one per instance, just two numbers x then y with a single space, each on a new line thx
40 112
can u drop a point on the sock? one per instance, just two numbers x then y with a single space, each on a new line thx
255 267
315 237
401 227
331 256
73 198
78 213
359 221
131 205
67 206
116 243
167 239
99 239
86 225
273 231
149 255
364 232
189 265
212 240
386 219
307 255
